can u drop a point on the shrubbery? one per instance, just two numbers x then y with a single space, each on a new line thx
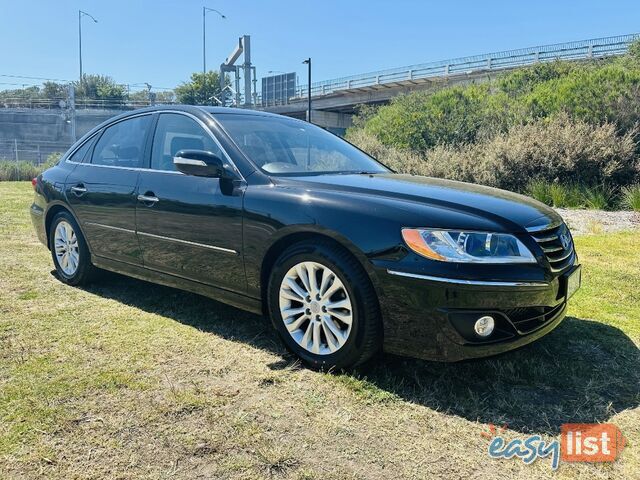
557 150
572 126
10 170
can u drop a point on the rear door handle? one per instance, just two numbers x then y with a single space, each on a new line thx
148 199
79 189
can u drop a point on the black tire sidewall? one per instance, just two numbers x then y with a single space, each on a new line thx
350 353
84 263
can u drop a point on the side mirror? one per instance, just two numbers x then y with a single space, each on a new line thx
199 163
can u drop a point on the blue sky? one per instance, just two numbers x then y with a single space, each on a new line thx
160 41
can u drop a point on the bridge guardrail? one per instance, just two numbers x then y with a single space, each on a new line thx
577 50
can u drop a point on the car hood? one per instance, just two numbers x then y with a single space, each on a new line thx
511 210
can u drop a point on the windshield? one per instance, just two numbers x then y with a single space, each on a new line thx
281 146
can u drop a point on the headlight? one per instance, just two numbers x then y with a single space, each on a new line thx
467 247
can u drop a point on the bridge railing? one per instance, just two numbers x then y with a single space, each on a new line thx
585 49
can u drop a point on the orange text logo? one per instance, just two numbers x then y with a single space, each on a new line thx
591 442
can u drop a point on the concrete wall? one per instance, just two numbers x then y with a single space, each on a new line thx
35 133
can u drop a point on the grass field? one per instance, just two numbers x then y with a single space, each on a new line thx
125 379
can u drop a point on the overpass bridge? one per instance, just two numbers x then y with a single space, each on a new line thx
334 101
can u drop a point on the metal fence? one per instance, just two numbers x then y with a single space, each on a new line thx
35 152
580 50
57 103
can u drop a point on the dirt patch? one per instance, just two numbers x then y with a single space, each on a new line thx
584 222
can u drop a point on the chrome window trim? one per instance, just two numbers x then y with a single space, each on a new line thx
458 281
187 242
141 169
101 131
73 152
206 129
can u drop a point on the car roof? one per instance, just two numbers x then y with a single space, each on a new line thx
197 110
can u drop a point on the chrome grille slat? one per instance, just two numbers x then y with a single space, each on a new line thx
558 257
546 239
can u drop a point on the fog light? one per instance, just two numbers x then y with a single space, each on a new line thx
484 326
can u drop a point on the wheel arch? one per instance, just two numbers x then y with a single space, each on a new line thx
290 238
52 211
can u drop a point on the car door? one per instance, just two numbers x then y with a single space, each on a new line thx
102 190
189 226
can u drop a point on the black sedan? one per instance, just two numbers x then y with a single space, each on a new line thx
277 216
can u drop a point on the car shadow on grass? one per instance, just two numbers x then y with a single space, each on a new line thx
582 372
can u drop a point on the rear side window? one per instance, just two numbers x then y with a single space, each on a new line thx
122 144
81 153
176 132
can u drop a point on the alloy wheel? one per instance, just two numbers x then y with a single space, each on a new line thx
316 308
66 247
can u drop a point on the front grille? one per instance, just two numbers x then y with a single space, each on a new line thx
559 254
528 319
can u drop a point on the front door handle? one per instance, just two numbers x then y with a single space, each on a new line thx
79 189
148 198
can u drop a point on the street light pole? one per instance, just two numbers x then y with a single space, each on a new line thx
80 15
204 47
308 62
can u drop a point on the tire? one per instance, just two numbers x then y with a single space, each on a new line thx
330 342
77 269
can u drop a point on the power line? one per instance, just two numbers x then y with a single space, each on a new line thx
35 78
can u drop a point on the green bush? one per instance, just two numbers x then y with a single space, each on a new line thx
564 123
556 194
604 90
422 120
557 150
631 197
539 189
565 196
601 197
10 170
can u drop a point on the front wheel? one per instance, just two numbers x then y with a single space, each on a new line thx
324 307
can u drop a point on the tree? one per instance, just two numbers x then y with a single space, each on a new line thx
199 92
100 87
54 91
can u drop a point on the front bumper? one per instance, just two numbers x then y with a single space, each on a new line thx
432 318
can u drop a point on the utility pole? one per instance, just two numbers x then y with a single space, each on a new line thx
204 48
80 15
71 106
308 62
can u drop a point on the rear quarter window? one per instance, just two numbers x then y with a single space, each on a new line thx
81 153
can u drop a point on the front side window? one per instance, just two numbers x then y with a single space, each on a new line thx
122 144
176 132
286 146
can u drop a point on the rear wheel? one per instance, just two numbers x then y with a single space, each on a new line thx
69 250
324 307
